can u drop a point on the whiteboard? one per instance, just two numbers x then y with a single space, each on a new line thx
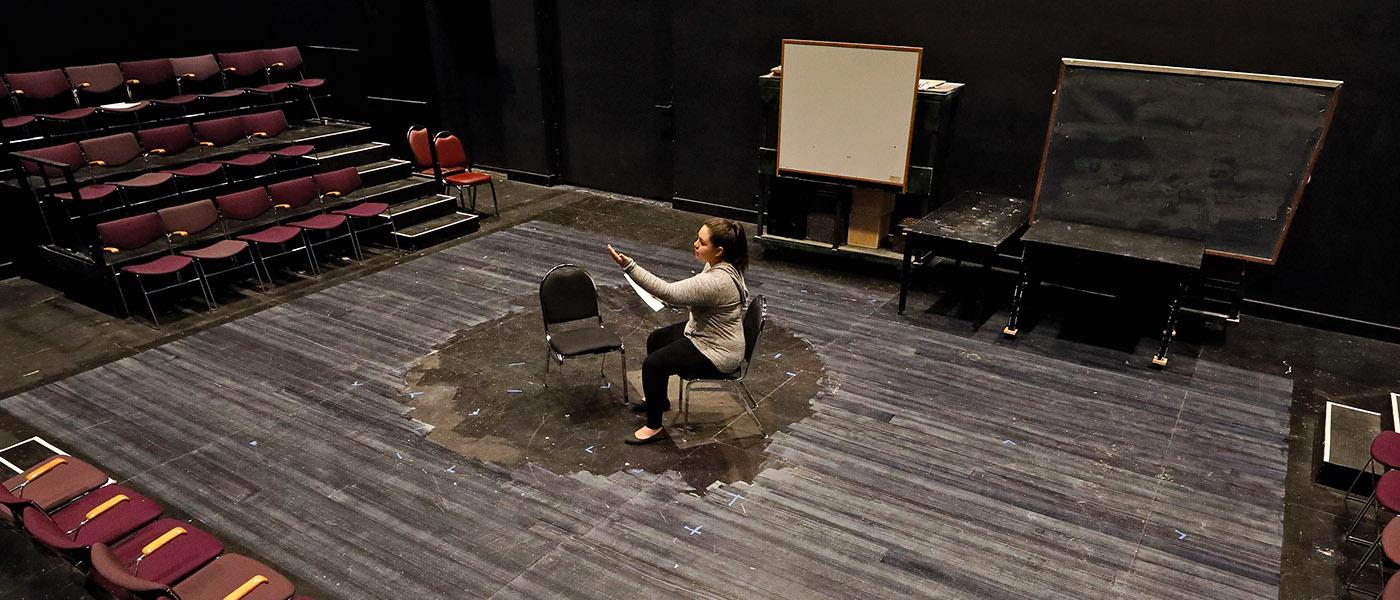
847 110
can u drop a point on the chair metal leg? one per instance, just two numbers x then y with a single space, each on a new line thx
546 366
1350 582
120 294
750 405
624 376
1359 516
1370 462
310 253
204 287
495 206
147 295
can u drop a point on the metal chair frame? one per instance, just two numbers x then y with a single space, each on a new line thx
549 348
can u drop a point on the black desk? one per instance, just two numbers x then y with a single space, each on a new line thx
973 226
1088 251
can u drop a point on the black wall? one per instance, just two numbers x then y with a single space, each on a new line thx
1340 254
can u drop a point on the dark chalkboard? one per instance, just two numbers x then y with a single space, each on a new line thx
1210 155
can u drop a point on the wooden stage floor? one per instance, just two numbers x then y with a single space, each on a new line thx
933 463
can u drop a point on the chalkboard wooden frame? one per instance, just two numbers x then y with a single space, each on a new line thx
1333 88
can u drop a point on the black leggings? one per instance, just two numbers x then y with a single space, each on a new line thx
669 353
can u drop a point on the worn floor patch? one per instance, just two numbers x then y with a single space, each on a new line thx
485 394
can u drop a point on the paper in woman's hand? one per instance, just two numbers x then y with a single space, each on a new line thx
655 303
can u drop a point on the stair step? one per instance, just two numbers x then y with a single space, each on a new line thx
437 230
382 171
347 156
419 210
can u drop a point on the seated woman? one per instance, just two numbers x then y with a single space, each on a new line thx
711 342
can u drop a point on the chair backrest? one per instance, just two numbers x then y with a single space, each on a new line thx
196 68
420 146
754 318
132 232
341 181
154 71
450 152
113 150
567 294
271 123
190 218
220 132
243 64
99 79
294 193
245 205
69 154
172 139
114 571
288 57
39 85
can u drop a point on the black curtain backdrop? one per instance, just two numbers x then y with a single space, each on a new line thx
495 66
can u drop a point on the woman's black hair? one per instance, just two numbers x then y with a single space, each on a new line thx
730 236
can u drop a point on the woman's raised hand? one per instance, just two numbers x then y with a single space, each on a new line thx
618 257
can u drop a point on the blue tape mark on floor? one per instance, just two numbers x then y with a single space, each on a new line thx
733 497
1008 443
1179 534
588 449
693 530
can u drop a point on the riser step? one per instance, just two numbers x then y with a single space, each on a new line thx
422 209
438 230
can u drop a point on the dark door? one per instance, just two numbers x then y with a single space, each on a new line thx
615 71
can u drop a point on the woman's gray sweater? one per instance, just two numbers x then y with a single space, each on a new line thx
715 298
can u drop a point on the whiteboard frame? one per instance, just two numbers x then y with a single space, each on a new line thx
903 182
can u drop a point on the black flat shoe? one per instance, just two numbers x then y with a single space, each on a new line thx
636 441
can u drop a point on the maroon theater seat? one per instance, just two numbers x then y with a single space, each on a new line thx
112 151
154 79
299 193
219 132
13 120
285 64
249 70
47 89
104 85
252 205
105 515
153 558
453 158
293 194
202 76
235 576
141 232
69 155
338 184
169 140
269 125
199 219
49 484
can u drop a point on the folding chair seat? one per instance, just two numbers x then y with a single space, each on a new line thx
248 71
452 155
336 185
104 86
103 516
12 119
202 76
111 151
200 221
153 558
567 294
297 195
50 90
285 64
253 206
49 484
154 80
235 577
267 126
146 233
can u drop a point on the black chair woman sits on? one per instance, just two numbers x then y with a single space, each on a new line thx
567 294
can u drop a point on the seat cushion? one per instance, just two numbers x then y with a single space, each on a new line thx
216 580
145 180
90 192
445 170
197 170
224 94
1385 449
180 100
251 159
277 234
69 115
468 178
585 340
107 527
17 121
218 250
164 265
270 88
175 559
309 83
125 107
363 210
319 222
297 150
55 487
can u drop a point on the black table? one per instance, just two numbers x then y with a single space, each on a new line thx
973 226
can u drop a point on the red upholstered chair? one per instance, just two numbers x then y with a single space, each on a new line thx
154 80
144 235
285 64
104 86
234 576
420 147
153 558
199 220
296 196
47 485
103 516
336 187
253 206
202 76
46 95
267 126
454 159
